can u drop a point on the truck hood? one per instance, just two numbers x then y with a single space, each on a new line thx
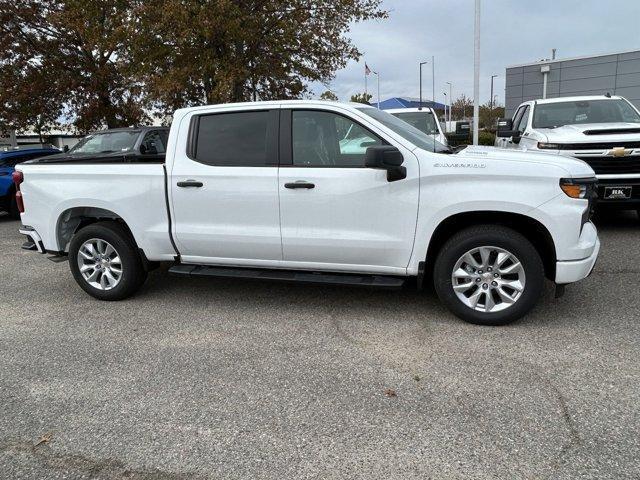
592 133
573 167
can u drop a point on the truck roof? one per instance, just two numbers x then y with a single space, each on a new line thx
275 103
576 99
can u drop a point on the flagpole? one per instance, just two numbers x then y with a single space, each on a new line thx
378 76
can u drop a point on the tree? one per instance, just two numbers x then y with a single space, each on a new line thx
58 55
489 116
195 51
461 108
361 98
329 95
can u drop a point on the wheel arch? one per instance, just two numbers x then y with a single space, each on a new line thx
529 227
71 220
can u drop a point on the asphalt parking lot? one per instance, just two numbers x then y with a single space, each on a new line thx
201 378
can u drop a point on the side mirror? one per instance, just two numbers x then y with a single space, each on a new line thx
65 149
505 129
144 150
386 157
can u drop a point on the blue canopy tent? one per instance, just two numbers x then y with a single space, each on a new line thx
407 102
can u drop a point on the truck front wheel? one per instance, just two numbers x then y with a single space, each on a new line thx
489 275
105 262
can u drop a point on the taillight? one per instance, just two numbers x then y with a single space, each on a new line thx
18 178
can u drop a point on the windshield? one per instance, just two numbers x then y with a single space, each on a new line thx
107 142
423 121
553 115
410 133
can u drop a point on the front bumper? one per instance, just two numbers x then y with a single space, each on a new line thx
575 270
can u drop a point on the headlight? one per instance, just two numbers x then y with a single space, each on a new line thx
548 146
579 187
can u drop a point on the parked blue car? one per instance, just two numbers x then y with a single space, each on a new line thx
9 158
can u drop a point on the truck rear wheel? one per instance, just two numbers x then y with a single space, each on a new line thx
105 262
489 275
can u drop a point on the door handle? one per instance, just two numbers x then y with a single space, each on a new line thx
190 183
300 184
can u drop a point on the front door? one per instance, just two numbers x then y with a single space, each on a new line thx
225 190
335 213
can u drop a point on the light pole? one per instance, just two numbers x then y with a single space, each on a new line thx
421 64
450 99
476 74
491 101
445 111
378 79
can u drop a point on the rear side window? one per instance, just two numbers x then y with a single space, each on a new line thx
239 139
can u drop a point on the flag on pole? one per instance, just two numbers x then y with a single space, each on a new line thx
367 70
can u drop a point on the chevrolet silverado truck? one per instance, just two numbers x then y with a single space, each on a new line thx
603 131
264 191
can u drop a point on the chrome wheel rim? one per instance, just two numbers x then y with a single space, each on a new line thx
100 264
488 279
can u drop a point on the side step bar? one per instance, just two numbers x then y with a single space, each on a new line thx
378 281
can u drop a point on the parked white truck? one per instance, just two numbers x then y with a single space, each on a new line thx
603 131
263 190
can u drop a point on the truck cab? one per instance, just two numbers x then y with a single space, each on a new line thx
603 131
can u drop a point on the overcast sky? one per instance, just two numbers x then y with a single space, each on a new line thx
513 32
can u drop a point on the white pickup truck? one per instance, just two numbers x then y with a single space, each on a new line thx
263 190
603 131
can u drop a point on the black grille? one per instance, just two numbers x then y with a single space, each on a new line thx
597 146
612 165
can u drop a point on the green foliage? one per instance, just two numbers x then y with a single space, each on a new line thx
329 95
486 138
361 98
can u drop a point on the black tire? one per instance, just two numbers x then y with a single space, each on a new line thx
13 207
496 236
133 273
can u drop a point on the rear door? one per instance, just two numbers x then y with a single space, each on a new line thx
224 188
335 213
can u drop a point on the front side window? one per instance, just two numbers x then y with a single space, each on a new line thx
522 126
154 142
107 142
423 121
239 139
554 115
325 139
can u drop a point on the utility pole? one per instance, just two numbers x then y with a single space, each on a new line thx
421 64
491 101
476 74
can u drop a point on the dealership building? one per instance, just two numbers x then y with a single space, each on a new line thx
615 73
